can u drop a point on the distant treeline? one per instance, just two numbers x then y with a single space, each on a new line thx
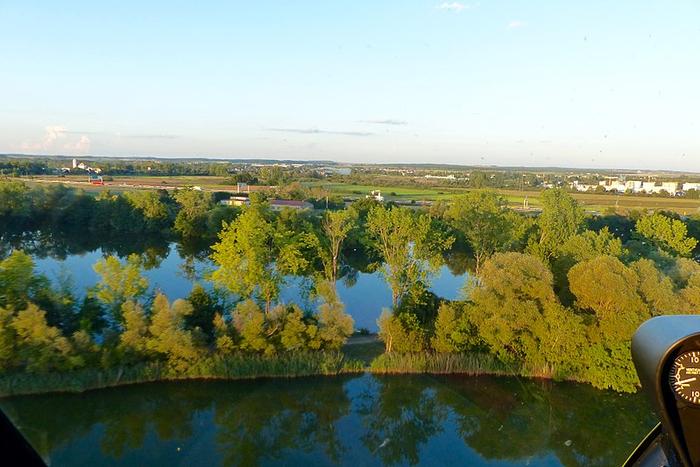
558 295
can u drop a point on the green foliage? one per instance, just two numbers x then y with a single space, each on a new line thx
584 246
670 235
154 212
224 335
191 219
519 318
19 284
39 347
453 330
561 219
336 226
246 255
486 223
334 325
133 339
204 309
410 246
250 324
401 332
168 337
609 290
119 282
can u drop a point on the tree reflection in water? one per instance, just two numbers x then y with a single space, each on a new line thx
361 420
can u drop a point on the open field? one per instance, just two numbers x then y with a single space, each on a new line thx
515 198
591 201
126 183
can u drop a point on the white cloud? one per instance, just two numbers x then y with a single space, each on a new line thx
53 134
453 6
387 121
515 24
81 146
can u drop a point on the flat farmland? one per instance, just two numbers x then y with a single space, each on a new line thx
516 198
592 202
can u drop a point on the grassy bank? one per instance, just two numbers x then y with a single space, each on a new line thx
435 363
367 357
229 368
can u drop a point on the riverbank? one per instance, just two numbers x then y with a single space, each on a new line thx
355 358
235 367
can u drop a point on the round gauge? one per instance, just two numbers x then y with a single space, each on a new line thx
685 376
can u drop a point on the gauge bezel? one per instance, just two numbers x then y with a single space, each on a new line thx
673 377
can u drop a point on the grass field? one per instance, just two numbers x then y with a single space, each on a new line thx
515 198
591 202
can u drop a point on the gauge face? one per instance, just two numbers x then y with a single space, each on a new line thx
685 376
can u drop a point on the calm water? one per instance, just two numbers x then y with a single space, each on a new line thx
364 294
360 420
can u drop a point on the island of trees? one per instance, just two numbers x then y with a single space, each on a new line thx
557 295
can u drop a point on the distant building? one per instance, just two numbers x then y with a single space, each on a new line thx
634 185
235 201
375 195
275 204
75 163
279 204
441 177
691 186
669 187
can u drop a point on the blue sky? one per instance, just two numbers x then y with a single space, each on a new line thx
588 84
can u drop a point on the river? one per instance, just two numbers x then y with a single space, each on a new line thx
350 420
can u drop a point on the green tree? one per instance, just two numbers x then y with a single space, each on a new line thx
410 247
581 247
336 227
608 290
519 318
486 223
561 219
14 200
133 339
670 235
191 219
224 336
204 309
19 283
168 336
40 347
151 207
334 324
250 324
453 331
8 340
119 282
246 255
401 332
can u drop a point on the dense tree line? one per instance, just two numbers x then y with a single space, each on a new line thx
558 295
553 296
185 213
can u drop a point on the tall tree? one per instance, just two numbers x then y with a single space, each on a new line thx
518 316
561 219
192 217
411 248
670 235
119 282
167 334
486 223
246 255
336 227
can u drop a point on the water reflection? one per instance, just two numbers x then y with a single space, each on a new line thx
364 420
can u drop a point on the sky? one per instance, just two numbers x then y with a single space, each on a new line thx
601 84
